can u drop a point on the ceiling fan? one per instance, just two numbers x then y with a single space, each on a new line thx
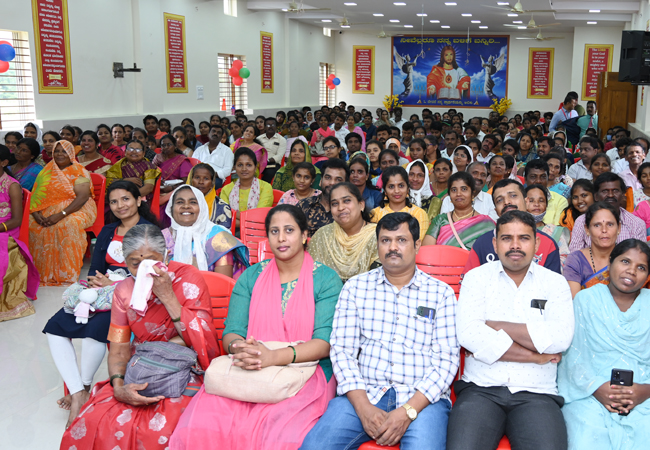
294 8
519 9
382 34
345 23
532 25
539 37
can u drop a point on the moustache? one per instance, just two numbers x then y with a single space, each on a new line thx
515 252
509 208
389 254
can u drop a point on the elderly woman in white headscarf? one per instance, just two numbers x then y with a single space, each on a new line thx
421 193
32 130
461 158
193 239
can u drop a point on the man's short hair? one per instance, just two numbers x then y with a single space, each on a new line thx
384 127
634 144
395 129
149 117
551 142
592 141
507 182
516 216
437 126
217 125
538 164
408 126
342 116
451 132
352 135
491 136
392 222
609 177
336 163
271 119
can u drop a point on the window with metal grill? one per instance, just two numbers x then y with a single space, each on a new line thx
16 87
234 95
326 96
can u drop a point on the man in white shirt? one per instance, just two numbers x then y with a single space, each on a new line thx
617 155
634 157
514 318
483 201
581 169
275 145
451 142
218 155
339 130
566 112
488 144
399 121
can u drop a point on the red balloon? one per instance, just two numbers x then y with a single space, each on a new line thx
233 72
5 42
237 81
331 86
331 77
4 66
237 64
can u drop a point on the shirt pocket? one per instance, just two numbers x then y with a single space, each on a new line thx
533 313
419 332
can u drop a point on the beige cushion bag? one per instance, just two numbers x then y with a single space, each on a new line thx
269 385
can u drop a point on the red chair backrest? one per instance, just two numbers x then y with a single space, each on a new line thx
24 225
227 181
194 161
277 195
220 288
251 228
264 251
155 201
444 263
99 189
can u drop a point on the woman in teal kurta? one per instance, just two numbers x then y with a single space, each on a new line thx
612 331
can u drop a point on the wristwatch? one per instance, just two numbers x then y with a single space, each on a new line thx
410 412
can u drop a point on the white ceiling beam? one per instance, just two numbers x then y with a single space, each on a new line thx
613 6
594 17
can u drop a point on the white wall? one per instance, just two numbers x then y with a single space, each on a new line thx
128 31
567 73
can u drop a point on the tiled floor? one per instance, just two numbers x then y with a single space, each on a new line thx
30 385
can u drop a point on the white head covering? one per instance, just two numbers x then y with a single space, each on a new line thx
425 191
471 157
39 132
194 237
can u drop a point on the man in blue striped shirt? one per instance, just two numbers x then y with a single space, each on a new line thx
394 351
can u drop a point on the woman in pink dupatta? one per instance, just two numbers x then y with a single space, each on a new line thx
249 140
174 166
319 136
289 298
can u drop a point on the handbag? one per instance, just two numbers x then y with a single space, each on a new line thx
269 385
165 366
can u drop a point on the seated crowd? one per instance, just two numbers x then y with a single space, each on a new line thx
351 202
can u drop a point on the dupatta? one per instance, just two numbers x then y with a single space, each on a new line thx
600 277
53 185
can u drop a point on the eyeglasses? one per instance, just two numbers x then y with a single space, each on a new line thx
331 147
168 145
137 150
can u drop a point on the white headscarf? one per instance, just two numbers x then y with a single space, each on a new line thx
425 191
39 132
195 236
471 157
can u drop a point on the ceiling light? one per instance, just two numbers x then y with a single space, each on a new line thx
325 20
503 3
483 26
513 15
421 14
408 26
285 9
594 10
399 3
434 21
517 21
476 21
592 23
394 20
378 15
466 15
445 26
350 4
345 26
451 3
521 28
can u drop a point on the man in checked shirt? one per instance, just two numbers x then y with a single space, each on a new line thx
394 352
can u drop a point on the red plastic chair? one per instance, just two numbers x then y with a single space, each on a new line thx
264 251
24 225
252 231
277 195
444 263
155 201
194 161
99 188
220 288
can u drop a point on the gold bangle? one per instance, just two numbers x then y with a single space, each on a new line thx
5 225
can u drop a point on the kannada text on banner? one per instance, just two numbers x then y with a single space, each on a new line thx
363 60
598 58
540 73
175 53
52 41
266 55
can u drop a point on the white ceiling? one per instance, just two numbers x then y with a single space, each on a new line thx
570 13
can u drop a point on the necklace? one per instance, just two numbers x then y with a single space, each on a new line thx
592 259
471 213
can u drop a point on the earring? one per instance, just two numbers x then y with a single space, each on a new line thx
304 241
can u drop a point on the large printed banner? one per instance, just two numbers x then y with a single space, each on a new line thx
175 53
450 70
52 41
363 77
266 56
598 58
540 72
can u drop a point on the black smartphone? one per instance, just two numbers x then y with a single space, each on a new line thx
622 377
429 313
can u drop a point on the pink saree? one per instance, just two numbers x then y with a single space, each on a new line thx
216 422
